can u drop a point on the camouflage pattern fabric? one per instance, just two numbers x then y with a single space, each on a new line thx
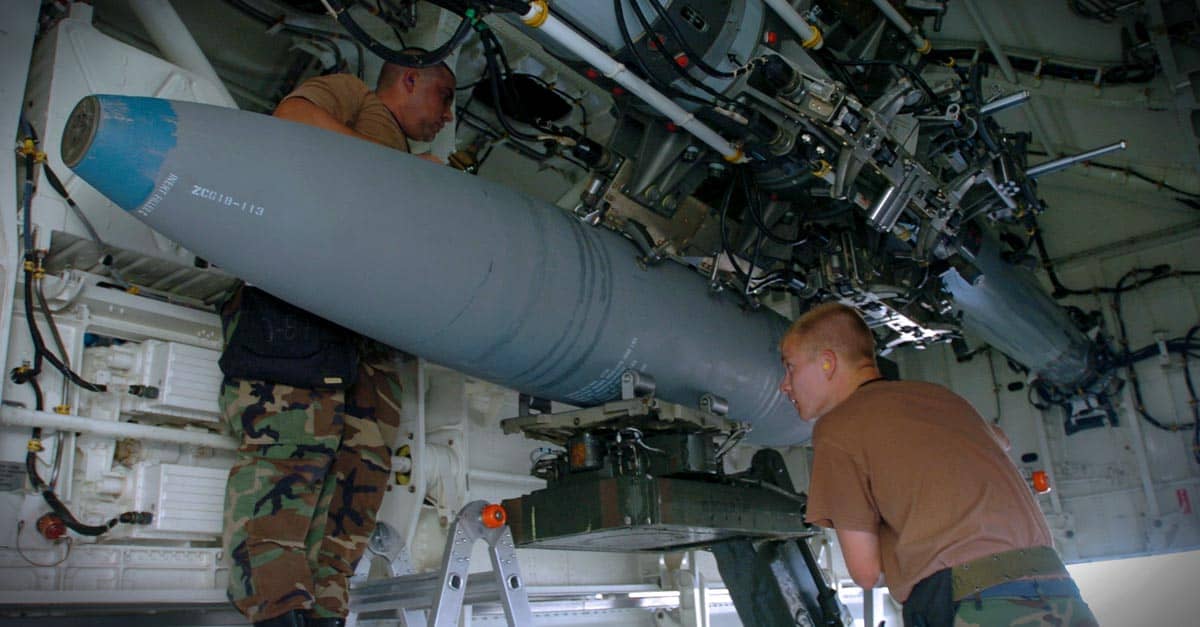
1014 611
310 474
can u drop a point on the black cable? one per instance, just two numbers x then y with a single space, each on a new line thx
668 59
1192 401
577 102
493 70
33 267
758 240
432 58
39 344
59 508
724 211
752 207
61 190
482 125
641 63
1156 273
683 44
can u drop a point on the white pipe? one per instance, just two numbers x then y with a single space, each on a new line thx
539 17
20 417
175 41
912 32
810 36
507 478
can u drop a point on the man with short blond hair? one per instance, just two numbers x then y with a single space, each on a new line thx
918 489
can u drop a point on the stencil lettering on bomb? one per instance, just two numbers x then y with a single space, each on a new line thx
152 202
226 200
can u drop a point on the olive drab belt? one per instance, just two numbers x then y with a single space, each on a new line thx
975 576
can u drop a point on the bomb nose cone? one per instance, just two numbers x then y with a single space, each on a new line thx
80 129
118 143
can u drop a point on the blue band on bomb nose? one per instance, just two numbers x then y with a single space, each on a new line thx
136 133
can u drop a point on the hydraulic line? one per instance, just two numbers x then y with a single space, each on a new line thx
752 207
28 375
641 63
431 59
662 51
683 44
539 16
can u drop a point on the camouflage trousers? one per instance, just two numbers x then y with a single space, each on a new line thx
1014 611
302 496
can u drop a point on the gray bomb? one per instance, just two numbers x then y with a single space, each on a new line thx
458 270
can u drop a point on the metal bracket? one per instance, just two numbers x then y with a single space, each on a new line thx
467 528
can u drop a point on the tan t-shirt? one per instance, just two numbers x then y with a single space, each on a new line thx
916 464
350 101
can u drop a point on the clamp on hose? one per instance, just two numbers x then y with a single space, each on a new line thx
537 15
29 149
815 41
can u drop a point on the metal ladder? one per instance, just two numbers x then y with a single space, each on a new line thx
480 521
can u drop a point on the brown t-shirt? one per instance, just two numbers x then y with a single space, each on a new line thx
916 464
350 101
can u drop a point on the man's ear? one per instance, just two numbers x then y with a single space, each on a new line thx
828 363
408 80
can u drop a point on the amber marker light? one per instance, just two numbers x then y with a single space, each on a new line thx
1041 482
494 516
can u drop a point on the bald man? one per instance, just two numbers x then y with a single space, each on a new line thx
918 488
317 411
407 103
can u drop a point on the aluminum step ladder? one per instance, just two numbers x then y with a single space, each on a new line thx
480 521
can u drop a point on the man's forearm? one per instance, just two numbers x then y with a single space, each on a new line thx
305 112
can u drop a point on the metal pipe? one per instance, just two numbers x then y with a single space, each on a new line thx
529 298
1050 167
810 36
1006 68
1005 102
913 33
882 209
21 417
994 46
539 17
506 478
173 39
